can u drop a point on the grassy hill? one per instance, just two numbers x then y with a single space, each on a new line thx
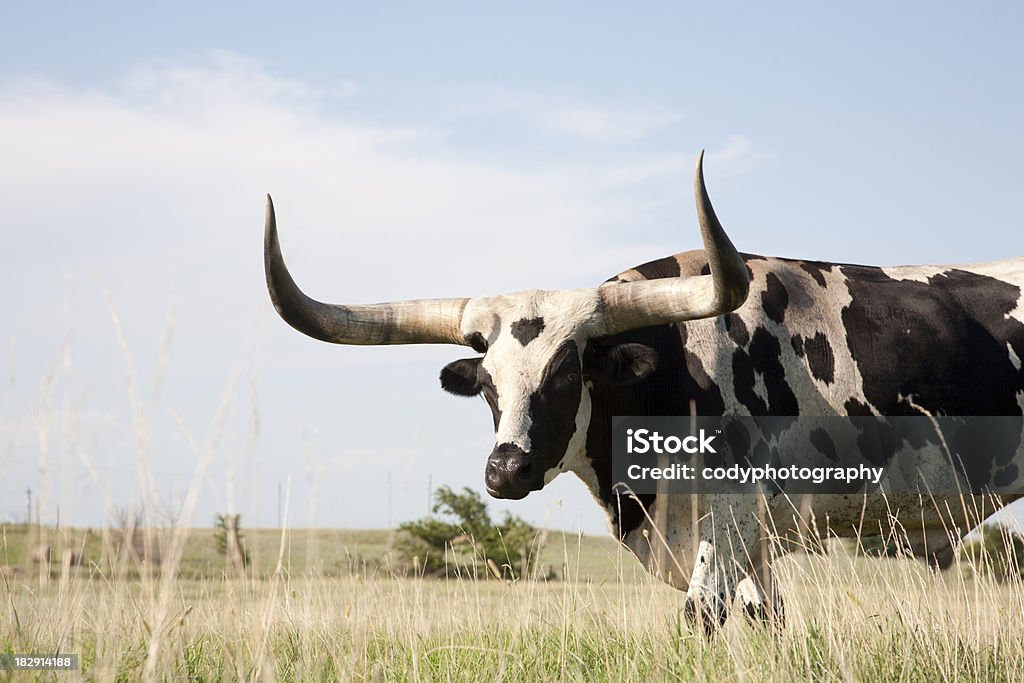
325 552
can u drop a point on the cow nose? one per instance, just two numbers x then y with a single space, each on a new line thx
510 472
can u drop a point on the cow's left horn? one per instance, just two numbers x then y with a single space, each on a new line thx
629 305
423 321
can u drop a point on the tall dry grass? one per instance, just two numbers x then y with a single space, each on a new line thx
848 618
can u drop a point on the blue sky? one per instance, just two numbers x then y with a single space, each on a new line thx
429 150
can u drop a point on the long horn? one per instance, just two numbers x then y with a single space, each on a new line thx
629 305
424 321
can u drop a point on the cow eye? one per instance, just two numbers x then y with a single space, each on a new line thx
573 377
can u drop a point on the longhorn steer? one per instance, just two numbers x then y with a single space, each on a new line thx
679 336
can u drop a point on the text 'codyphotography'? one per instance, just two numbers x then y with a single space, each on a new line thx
818 455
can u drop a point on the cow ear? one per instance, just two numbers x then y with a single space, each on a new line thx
622 364
460 377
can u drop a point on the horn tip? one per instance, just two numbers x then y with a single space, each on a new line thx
698 175
271 225
270 243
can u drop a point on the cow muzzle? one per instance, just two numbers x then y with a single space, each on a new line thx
511 473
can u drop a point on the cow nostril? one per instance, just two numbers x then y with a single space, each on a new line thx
525 473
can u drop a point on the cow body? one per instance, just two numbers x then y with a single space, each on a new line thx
713 333
813 339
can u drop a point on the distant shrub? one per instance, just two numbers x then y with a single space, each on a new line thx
465 540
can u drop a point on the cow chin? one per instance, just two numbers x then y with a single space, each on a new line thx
507 494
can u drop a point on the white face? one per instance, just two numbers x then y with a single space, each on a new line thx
534 375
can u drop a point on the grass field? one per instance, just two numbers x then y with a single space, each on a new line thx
324 605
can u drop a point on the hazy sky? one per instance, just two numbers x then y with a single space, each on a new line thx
428 150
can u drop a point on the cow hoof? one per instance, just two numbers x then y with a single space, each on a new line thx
703 616
941 559
757 612
760 614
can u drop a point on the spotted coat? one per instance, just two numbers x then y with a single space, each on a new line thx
813 339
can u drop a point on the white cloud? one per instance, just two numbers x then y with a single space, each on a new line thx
566 116
177 159
737 155
604 123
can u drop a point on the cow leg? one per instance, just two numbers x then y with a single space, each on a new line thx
710 592
760 605
727 552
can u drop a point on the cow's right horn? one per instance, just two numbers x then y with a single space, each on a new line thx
424 321
630 305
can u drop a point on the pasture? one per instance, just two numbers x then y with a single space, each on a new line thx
327 605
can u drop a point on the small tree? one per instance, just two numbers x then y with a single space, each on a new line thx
467 538
228 536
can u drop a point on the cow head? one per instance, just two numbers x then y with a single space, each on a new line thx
541 350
